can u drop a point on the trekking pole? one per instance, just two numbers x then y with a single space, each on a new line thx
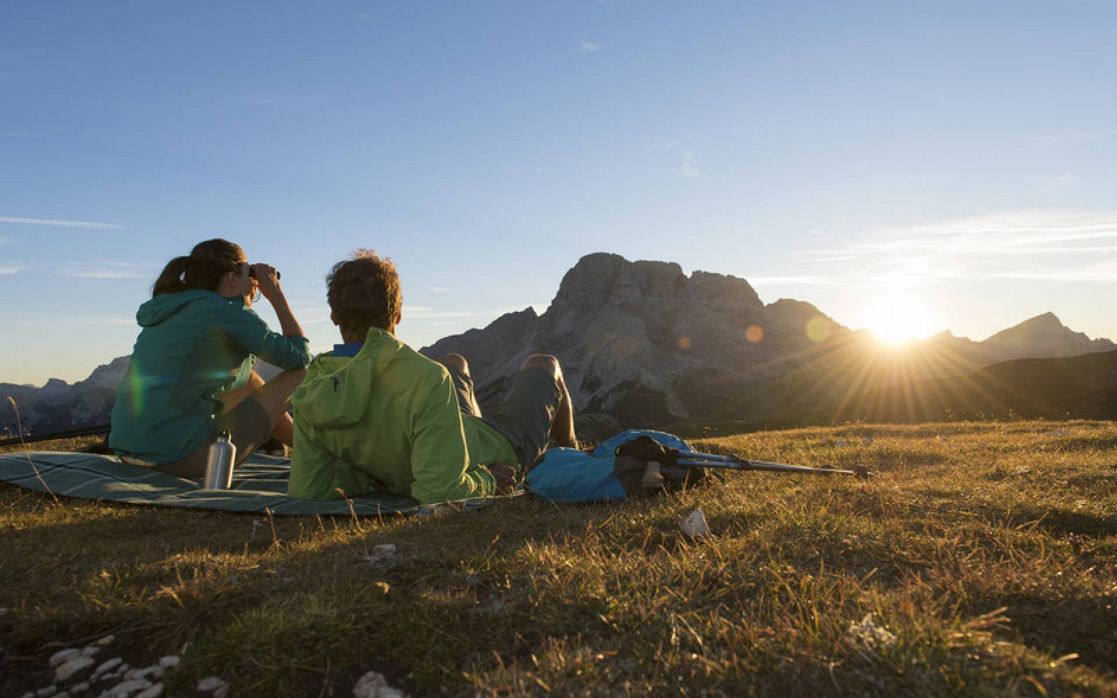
647 449
728 462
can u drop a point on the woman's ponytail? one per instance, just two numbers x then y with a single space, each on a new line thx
173 277
202 269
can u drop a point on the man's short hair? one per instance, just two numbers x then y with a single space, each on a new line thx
363 291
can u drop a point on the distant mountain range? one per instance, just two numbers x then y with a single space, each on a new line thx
59 405
643 344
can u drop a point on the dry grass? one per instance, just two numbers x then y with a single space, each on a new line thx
987 551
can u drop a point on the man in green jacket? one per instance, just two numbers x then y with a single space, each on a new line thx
376 414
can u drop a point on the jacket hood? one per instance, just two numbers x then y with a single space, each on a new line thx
337 389
166 305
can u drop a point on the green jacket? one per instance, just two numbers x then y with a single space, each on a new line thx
388 419
194 345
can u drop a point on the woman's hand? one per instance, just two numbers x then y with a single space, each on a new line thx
267 280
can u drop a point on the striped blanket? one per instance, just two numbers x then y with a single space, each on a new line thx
259 486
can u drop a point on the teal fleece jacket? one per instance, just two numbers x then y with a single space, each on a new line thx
194 345
388 419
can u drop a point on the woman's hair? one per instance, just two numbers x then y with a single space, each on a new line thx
201 269
363 291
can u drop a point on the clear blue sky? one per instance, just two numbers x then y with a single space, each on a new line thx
956 159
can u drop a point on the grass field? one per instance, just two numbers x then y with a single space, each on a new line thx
986 555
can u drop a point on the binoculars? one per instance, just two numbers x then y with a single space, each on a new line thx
252 274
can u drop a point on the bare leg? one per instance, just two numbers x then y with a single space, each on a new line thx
562 429
458 363
282 427
275 398
234 397
284 430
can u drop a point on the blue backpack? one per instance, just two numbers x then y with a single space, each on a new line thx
570 475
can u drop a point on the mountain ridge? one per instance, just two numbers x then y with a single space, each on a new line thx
643 343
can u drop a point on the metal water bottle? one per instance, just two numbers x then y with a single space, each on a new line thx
219 463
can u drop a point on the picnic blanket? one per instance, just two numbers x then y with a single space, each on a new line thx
259 486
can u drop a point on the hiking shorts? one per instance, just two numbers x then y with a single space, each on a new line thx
525 415
249 427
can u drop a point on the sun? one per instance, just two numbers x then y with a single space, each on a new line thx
897 319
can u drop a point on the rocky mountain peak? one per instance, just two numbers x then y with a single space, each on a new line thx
641 339
1043 335
108 375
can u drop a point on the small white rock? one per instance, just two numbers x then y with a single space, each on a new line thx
153 692
127 688
384 554
3 611
28 694
79 688
131 674
210 683
74 667
105 640
149 672
374 685
46 691
169 662
63 656
871 634
108 665
90 650
63 694
695 525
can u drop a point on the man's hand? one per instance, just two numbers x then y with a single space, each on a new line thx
504 474
267 280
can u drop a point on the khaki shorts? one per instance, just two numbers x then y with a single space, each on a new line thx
525 415
248 425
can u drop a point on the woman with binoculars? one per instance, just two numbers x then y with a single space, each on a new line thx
191 375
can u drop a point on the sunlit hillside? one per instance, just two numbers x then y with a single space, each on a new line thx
980 560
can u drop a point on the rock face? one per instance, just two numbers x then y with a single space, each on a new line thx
646 344
58 405
1043 336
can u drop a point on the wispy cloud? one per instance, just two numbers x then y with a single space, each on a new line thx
7 268
105 270
687 169
366 17
85 319
107 320
588 46
1068 137
428 313
58 223
767 281
1064 246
